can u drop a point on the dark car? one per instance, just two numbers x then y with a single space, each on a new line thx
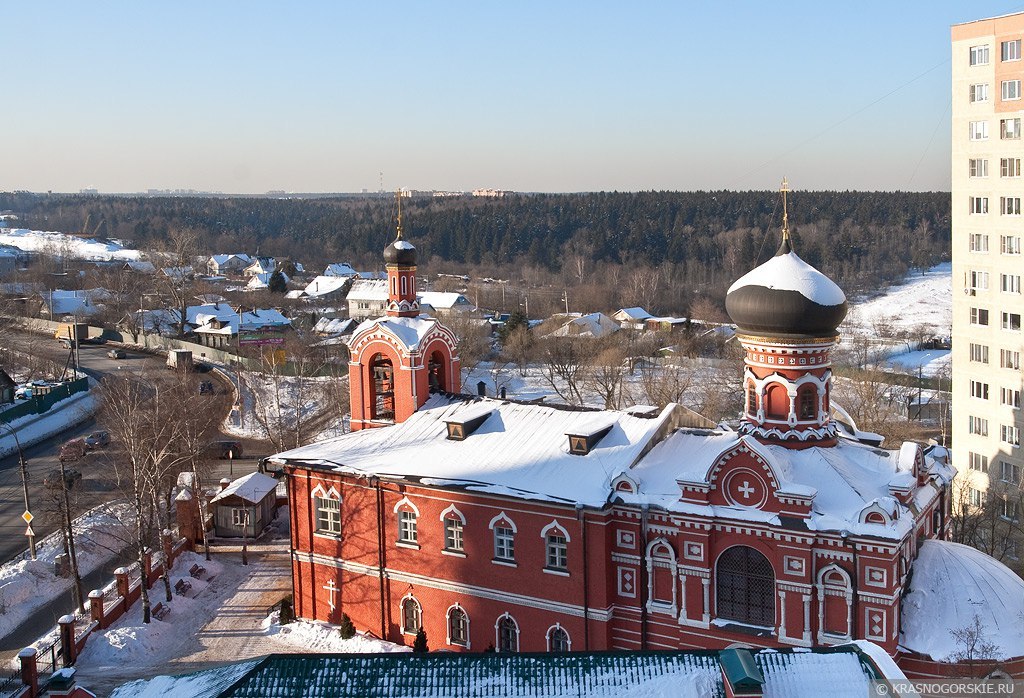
116 354
225 449
97 439
72 450
52 479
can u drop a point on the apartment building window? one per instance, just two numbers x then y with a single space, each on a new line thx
1011 321
977 167
977 461
1009 205
1009 167
1009 359
1010 50
1009 129
1008 509
979 390
979 316
978 92
1009 244
979 205
979 242
977 281
1009 434
977 425
979 55
1009 283
979 353
1009 397
979 130
1010 90
975 497
1009 473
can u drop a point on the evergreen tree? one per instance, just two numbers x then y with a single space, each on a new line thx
420 643
277 284
515 320
345 628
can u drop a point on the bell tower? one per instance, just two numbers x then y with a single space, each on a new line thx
787 314
396 361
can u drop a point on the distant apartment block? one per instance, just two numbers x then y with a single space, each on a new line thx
987 188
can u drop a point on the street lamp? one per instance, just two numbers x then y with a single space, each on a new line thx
24 485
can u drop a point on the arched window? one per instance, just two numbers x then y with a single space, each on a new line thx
751 398
458 627
508 634
661 575
435 371
835 598
382 405
404 282
454 529
504 538
411 619
807 403
778 402
745 587
558 639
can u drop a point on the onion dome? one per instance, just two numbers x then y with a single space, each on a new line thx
786 296
400 252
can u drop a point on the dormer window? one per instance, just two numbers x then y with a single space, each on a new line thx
583 440
467 421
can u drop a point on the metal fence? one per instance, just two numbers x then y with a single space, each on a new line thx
12 684
43 403
46 659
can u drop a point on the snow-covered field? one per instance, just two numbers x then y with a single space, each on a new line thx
922 300
60 244
25 585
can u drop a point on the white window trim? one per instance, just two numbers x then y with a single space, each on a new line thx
454 511
568 637
319 491
448 626
401 614
503 517
497 632
405 501
554 525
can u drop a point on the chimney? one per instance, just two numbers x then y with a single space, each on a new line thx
224 483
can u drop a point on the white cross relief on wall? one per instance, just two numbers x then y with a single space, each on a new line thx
746 490
332 590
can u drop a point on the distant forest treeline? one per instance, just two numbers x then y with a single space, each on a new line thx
861 239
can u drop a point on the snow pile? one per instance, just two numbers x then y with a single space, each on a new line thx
951 586
921 300
26 585
316 636
207 683
60 244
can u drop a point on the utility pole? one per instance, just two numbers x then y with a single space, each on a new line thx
27 516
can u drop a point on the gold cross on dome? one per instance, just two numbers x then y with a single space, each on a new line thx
785 211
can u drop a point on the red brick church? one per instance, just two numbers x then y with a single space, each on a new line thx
536 527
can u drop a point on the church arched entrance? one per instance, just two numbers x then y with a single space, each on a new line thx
745 587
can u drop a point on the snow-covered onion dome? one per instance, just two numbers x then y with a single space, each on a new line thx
786 296
400 252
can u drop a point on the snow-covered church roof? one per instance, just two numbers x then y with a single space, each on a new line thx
951 585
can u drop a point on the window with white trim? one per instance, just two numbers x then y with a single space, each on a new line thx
1009 205
1010 90
504 544
1008 509
453 534
979 55
406 526
979 316
978 205
458 627
979 390
977 281
1008 358
1009 167
238 517
508 634
979 130
412 619
558 639
1010 50
975 498
557 551
1009 244
1009 473
1009 434
328 515
1009 129
978 92
977 461
1009 283
1011 321
1009 397
977 167
979 353
978 242
977 425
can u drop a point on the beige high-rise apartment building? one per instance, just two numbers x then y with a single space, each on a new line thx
987 190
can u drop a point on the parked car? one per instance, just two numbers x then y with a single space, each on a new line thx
72 450
52 479
97 439
225 449
116 354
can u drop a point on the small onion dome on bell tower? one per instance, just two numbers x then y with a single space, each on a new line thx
786 296
400 253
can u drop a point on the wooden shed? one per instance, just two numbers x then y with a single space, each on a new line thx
244 507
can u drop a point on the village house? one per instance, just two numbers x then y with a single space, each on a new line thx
533 527
227 264
631 318
245 507
367 298
592 325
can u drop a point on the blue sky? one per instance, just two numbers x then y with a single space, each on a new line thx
533 96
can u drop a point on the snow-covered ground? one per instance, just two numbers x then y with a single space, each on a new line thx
25 585
930 363
32 429
921 300
60 244
280 402
316 636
